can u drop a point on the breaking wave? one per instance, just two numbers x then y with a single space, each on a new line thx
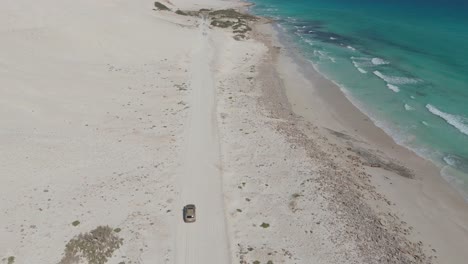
356 65
396 79
379 61
393 87
408 107
459 122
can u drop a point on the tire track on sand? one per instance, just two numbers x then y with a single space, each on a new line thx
204 241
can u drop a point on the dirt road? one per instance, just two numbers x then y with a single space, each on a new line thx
204 241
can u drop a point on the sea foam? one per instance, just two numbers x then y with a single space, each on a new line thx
359 68
379 61
409 108
308 41
458 122
450 160
324 55
362 62
395 79
393 87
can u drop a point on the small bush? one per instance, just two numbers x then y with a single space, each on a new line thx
265 225
221 24
239 37
180 12
296 195
241 28
160 6
75 223
11 260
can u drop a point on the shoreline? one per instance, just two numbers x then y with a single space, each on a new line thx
307 67
353 118
428 194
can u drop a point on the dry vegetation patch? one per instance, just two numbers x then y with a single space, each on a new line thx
226 18
94 247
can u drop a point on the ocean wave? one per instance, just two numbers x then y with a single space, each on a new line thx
319 53
360 58
455 176
396 79
425 123
351 48
379 61
361 70
281 26
308 41
362 62
324 55
409 108
356 65
456 161
412 97
459 122
450 160
393 87
370 62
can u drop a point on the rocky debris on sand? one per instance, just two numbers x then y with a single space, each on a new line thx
379 236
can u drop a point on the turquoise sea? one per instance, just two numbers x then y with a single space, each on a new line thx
405 63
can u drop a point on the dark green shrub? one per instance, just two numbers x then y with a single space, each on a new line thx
160 6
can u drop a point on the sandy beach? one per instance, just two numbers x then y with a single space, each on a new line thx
116 114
